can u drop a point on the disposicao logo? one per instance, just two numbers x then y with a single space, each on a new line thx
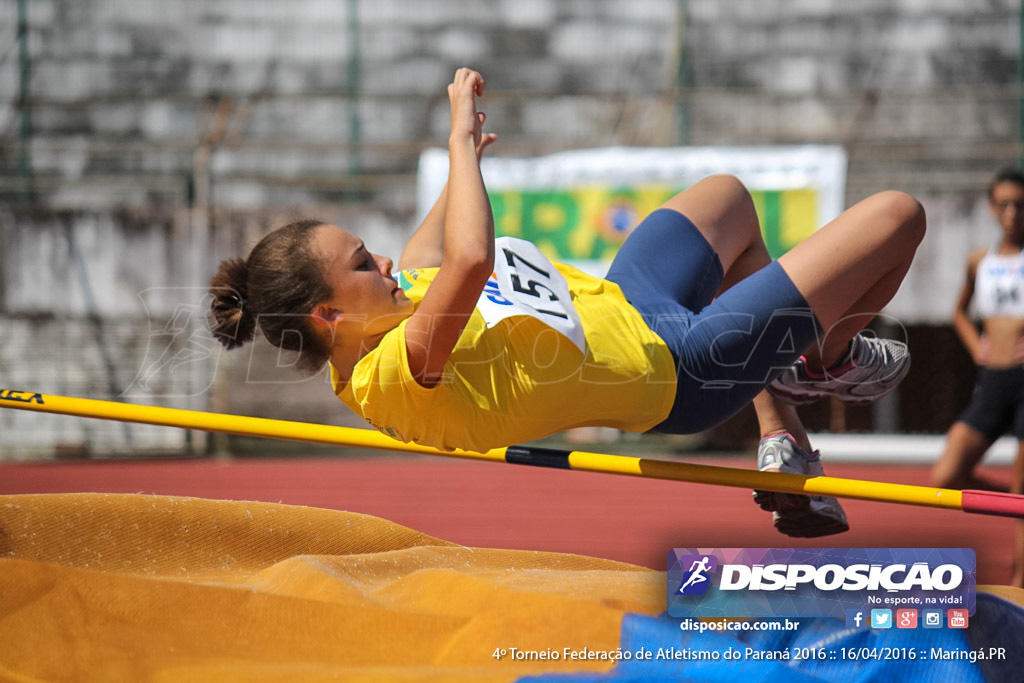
775 582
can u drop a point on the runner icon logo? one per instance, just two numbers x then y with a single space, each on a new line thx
698 567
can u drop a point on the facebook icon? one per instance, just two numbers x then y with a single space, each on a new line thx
855 618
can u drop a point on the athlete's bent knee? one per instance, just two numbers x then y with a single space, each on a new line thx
904 215
728 185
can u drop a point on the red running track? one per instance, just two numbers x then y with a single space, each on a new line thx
506 506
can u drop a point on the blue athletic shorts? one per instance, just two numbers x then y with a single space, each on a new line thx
727 349
997 406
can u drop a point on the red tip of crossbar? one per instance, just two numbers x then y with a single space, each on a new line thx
993 503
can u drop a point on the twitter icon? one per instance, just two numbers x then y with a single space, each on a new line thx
881 618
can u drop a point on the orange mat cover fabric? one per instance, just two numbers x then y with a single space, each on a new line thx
119 587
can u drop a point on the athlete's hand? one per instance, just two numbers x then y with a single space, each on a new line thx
981 353
465 87
1018 351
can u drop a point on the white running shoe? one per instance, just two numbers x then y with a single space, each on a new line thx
872 368
797 515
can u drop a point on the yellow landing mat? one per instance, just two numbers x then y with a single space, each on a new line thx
152 588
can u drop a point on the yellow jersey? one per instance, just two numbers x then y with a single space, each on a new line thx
517 378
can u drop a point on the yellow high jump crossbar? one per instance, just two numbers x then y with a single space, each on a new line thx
981 502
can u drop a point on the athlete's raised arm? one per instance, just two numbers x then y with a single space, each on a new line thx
468 240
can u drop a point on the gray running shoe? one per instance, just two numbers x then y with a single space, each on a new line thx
793 514
872 369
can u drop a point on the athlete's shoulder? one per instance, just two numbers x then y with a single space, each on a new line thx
976 256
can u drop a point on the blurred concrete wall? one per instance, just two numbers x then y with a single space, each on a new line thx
141 141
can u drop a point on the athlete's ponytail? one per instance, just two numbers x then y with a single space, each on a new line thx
233 321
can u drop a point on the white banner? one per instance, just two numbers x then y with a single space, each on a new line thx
578 206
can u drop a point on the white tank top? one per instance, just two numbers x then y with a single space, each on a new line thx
999 285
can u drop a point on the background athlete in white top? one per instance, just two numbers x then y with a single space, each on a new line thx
994 290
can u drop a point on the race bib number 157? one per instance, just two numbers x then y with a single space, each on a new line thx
525 282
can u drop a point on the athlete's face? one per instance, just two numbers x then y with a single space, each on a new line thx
1007 205
364 291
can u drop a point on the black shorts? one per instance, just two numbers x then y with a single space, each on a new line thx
997 406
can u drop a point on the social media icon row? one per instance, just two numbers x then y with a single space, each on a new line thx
906 618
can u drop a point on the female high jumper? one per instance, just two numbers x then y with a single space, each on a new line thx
478 343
